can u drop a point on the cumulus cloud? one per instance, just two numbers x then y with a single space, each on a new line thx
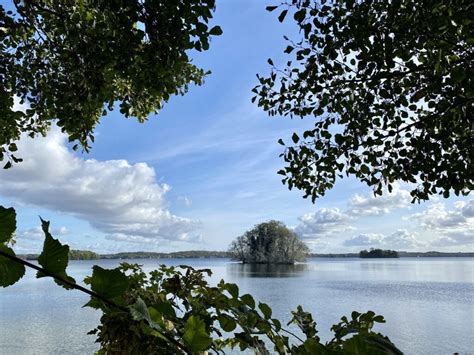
36 233
120 199
322 223
467 208
369 205
455 238
403 240
453 227
399 240
364 240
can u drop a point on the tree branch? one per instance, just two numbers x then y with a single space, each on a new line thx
85 290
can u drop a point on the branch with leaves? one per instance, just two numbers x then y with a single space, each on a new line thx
390 86
73 62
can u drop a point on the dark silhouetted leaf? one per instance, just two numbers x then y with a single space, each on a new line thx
10 271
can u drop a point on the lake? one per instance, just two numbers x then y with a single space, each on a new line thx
428 302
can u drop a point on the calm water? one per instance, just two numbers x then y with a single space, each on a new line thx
428 302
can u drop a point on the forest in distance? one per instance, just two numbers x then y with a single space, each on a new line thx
191 254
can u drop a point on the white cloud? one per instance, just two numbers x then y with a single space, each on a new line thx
467 208
114 196
36 233
322 223
364 240
455 238
400 240
366 205
403 240
452 227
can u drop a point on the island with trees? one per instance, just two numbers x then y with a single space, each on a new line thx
83 255
378 253
269 243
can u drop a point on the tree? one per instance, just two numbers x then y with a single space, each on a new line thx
269 242
391 87
71 61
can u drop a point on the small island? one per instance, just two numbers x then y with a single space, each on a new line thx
269 243
378 253
83 255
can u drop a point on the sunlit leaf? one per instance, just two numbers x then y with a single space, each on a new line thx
195 336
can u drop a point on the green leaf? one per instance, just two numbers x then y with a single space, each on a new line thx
109 283
289 49
364 169
195 336
227 323
282 15
248 300
10 271
215 31
277 324
7 224
418 95
271 8
233 289
312 346
165 308
54 257
295 138
12 147
458 74
139 310
266 310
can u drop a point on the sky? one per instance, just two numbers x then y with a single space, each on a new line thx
203 171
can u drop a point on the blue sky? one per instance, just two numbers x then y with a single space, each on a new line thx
203 171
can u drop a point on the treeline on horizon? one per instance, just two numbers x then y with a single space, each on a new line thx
191 254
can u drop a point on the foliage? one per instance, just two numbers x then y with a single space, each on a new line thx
10 271
179 303
378 253
54 258
83 255
175 310
391 86
72 60
269 242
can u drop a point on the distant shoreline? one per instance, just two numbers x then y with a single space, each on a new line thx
203 254
403 254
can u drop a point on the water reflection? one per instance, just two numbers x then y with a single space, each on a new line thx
266 270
